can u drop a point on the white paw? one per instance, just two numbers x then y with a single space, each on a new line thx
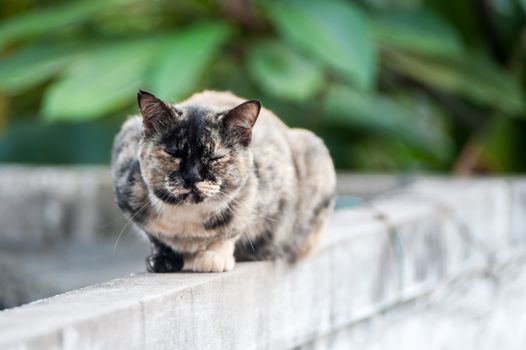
210 261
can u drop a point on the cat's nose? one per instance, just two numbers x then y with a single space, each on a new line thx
191 175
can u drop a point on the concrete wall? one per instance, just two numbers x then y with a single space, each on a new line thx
42 205
400 248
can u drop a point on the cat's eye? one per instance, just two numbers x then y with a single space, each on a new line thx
176 153
215 158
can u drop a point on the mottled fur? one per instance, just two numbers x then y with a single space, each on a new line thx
204 182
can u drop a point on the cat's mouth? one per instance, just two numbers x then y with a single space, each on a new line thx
192 196
197 193
195 196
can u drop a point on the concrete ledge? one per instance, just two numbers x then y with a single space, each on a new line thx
58 203
77 202
399 248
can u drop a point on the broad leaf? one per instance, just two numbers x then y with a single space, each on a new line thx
381 114
41 22
471 77
33 65
419 31
100 82
334 32
282 72
184 58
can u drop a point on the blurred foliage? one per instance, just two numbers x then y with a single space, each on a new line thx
389 84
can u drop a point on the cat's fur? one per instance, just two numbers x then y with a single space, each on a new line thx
206 182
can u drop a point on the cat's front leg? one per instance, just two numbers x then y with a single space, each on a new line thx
218 257
163 258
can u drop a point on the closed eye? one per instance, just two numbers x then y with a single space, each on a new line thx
175 153
216 158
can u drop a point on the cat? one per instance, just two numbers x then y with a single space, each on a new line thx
216 178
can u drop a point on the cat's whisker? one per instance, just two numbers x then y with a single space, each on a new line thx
235 200
230 197
141 208
250 241
111 222
229 207
116 219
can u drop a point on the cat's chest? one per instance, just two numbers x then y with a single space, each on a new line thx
169 227
182 222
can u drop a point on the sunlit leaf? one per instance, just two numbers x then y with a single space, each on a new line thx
419 31
40 22
382 114
184 59
282 72
33 65
471 77
100 82
334 32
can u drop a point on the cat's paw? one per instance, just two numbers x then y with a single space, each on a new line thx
210 261
162 263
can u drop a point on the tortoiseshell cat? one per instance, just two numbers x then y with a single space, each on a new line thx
206 183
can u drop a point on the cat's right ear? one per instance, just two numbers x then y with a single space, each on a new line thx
240 120
155 113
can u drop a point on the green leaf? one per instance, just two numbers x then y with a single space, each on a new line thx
334 32
469 76
33 65
282 72
381 154
498 145
186 56
40 22
418 31
100 82
381 114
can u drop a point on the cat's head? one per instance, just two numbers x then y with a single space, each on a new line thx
193 154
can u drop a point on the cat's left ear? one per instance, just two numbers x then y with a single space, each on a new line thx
155 113
240 120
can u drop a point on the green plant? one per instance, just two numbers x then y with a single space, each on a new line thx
390 85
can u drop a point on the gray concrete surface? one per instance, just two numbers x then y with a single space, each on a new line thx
375 260
40 205
30 273
484 310
59 226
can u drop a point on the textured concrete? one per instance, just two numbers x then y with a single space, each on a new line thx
484 310
399 248
30 273
59 226
40 205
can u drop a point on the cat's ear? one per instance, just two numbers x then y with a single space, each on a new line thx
240 120
155 113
